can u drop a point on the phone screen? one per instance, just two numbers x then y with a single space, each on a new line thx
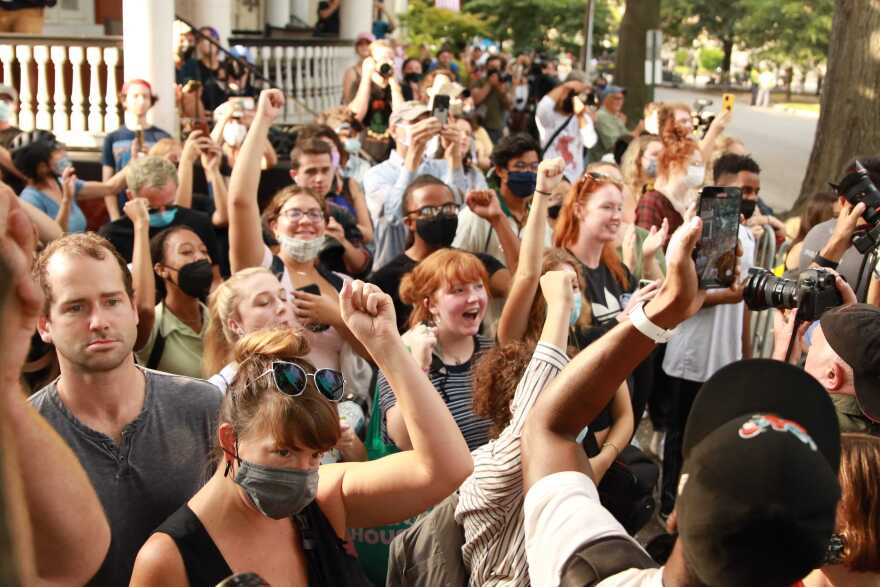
715 255
440 110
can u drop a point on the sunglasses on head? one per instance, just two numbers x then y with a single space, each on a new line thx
291 379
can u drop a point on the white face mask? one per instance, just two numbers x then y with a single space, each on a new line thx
696 175
652 125
234 133
301 250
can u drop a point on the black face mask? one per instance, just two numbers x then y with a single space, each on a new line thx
194 279
747 208
412 78
438 231
553 211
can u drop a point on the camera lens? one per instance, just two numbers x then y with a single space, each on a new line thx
385 70
764 290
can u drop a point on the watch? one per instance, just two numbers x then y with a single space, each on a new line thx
643 324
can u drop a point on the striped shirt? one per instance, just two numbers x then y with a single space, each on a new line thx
490 505
454 383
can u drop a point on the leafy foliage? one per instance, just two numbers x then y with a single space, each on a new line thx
432 26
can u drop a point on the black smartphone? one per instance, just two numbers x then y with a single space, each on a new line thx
440 109
715 254
311 288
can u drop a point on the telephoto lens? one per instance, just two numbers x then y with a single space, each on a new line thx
764 290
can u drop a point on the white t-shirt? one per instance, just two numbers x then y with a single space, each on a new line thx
562 513
711 338
570 142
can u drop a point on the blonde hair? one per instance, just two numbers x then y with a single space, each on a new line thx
150 171
254 405
222 305
634 178
164 147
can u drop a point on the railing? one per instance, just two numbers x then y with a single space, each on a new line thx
51 74
308 71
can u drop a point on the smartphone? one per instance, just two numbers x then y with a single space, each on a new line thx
202 125
727 102
440 110
311 288
715 254
645 283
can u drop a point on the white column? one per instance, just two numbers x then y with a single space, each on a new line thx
7 53
215 13
41 56
77 114
356 16
26 112
278 12
96 121
111 116
148 54
59 99
302 12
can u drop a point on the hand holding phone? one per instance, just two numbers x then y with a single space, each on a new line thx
715 254
440 109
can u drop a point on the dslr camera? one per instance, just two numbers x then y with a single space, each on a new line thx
857 187
812 293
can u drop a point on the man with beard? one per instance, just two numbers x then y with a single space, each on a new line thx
142 436
431 217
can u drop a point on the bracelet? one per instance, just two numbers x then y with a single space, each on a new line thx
643 324
616 450
824 262
543 193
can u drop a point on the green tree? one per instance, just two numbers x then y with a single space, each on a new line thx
639 17
687 20
711 58
432 26
526 22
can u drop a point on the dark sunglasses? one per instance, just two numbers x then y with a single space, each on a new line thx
291 379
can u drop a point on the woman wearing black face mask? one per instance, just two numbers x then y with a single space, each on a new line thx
431 217
170 334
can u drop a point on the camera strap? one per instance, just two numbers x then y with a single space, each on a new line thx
556 134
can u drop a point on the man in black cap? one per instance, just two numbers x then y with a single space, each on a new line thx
746 514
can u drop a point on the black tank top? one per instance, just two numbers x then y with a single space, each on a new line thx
328 562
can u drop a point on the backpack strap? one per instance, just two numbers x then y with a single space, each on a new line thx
556 134
158 345
601 559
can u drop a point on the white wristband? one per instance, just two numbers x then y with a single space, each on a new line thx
643 324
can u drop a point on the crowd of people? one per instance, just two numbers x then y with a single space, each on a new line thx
423 360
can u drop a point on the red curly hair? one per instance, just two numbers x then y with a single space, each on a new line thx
678 145
568 225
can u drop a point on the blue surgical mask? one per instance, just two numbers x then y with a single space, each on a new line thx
163 218
575 309
353 145
5 111
651 169
522 183
60 165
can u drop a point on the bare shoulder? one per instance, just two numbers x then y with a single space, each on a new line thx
159 563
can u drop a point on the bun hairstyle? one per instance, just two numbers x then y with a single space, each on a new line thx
439 269
678 145
253 405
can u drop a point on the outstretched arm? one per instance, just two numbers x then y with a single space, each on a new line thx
245 227
588 383
512 325
143 278
404 484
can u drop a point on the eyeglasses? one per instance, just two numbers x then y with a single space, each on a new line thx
520 166
291 379
295 214
434 211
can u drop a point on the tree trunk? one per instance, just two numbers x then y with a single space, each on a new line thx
849 119
727 62
629 72
789 79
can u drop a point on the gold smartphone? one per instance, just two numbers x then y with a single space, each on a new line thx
727 102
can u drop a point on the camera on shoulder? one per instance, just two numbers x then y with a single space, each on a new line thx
813 293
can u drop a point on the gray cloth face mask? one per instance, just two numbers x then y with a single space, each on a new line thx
277 493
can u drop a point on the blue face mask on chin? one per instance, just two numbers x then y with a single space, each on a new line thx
522 183
575 309
161 219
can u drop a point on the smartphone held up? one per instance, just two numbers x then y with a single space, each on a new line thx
715 254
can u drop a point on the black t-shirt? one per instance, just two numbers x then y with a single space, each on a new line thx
388 279
329 25
120 232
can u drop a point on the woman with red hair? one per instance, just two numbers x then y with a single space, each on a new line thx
447 292
681 172
588 227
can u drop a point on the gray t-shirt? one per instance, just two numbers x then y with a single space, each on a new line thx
850 263
162 461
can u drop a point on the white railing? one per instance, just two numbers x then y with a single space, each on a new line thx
308 71
51 74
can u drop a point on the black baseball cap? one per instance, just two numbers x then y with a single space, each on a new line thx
759 490
854 333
